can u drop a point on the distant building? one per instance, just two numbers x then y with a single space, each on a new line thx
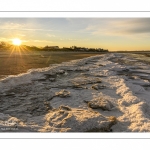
51 47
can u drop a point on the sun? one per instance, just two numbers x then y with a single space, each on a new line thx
16 42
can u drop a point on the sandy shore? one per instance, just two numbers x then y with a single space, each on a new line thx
105 93
13 63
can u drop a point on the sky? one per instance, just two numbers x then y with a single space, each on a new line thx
107 33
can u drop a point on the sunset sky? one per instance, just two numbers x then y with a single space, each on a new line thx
108 33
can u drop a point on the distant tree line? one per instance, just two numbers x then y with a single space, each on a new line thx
7 46
74 48
4 45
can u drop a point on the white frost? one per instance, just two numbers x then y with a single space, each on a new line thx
60 98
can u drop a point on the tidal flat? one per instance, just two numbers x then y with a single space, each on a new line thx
13 63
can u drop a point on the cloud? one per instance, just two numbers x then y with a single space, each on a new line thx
72 39
23 27
3 39
21 35
41 41
140 25
120 27
51 35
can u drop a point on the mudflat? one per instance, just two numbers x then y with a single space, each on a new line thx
12 63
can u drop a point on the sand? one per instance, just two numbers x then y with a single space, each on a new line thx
13 63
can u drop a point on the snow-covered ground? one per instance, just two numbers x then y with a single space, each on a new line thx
105 93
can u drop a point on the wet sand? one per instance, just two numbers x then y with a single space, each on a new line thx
15 63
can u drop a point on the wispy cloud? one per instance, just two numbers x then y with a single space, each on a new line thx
41 41
141 25
24 27
22 35
120 27
51 35
72 39
3 39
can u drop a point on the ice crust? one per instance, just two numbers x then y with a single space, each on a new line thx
57 98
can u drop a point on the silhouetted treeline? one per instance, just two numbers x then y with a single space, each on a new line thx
7 46
73 49
4 45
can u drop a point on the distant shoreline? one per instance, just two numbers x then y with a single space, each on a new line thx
72 51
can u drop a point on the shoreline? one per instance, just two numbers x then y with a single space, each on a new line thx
104 93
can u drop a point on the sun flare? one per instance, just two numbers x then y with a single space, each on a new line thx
16 42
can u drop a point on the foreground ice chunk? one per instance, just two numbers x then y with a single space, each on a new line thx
98 86
66 119
63 93
101 103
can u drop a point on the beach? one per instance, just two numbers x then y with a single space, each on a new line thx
102 93
13 63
